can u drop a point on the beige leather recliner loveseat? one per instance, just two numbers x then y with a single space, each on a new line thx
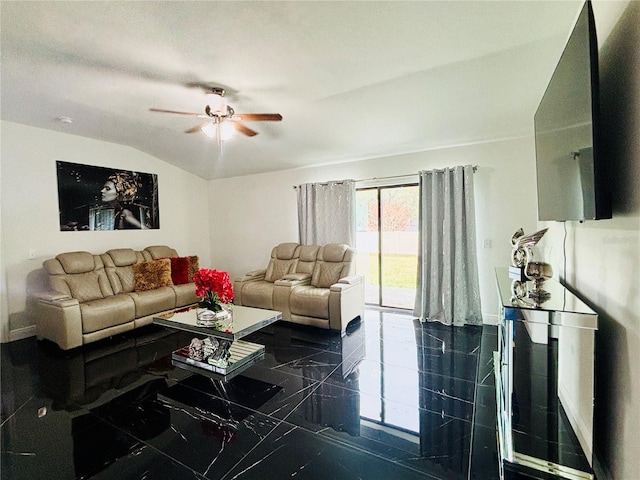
96 296
310 284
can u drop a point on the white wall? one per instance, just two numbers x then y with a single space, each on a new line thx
254 213
30 220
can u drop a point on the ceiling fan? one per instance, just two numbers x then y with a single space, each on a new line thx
222 118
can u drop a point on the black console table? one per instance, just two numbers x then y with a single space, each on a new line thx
544 371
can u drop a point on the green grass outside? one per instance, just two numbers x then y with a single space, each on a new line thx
399 270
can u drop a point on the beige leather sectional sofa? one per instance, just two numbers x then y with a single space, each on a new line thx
310 284
96 296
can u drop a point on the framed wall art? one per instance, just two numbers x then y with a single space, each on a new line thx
99 198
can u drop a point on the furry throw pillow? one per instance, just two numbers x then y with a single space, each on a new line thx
153 274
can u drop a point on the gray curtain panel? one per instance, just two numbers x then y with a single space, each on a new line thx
327 212
448 287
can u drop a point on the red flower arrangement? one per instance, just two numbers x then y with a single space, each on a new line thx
214 287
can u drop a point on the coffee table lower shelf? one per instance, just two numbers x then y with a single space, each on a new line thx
243 355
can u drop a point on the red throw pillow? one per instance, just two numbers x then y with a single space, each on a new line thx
179 270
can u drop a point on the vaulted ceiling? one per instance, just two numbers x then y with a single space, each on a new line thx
352 80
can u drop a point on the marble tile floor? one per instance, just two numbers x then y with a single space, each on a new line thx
393 399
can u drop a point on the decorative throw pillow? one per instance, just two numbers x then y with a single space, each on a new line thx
179 270
153 274
193 267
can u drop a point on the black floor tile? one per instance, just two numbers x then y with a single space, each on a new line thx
207 434
292 452
395 398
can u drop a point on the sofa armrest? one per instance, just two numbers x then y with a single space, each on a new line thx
350 280
346 302
252 276
59 319
56 298
292 279
256 274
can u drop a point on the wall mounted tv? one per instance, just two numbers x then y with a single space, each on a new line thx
570 166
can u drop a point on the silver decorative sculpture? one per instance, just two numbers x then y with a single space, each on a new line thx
522 257
522 245
211 350
195 349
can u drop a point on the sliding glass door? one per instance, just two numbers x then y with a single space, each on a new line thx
387 243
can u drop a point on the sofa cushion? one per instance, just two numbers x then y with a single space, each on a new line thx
125 278
335 260
283 260
153 274
307 260
334 252
309 301
123 257
107 312
326 274
85 287
185 294
79 275
153 301
285 251
258 294
76 262
119 265
278 269
161 251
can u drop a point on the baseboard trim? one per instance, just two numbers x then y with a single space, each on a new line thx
490 319
20 333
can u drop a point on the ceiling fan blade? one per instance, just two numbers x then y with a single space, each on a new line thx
179 113
196 129
242 129
258 117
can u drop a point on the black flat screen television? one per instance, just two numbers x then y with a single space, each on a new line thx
570 167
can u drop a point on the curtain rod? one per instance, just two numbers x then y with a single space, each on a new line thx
440 170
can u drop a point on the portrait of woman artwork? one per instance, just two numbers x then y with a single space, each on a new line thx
99 198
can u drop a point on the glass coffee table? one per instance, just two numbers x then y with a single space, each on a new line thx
221 354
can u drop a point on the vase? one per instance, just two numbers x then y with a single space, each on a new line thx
538 272
221 319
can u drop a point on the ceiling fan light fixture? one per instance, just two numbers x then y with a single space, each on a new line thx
226 131
222 121
209 129
212 130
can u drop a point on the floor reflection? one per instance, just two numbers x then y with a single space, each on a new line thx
394 397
